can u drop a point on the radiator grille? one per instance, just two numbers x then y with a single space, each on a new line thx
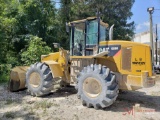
126 58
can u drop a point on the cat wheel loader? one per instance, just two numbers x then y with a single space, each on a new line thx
98 65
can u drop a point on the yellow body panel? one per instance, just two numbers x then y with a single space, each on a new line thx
134 80
55 68
50 57
140 57
58 63
57 57
139 73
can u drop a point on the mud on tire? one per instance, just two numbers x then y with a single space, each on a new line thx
97 86
39 80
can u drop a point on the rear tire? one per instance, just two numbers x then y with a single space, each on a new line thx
39 80
97 86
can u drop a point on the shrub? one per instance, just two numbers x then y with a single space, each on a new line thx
33 52
4 72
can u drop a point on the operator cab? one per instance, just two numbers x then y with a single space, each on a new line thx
85 36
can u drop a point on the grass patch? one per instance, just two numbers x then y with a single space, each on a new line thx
9 101
43 104
9 115
56 105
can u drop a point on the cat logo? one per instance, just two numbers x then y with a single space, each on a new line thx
104 49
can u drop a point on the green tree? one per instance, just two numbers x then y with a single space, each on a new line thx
7 29
21 18
39 18
115 12
32 53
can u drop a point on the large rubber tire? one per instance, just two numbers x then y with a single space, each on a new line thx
97 86
39 80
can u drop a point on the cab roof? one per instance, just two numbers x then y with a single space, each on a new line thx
89 18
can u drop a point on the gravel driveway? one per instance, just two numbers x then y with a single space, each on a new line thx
63 104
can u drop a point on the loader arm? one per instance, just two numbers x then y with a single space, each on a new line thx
58 63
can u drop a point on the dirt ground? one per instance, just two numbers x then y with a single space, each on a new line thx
63 104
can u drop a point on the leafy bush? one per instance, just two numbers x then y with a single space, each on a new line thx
12 58
4 72
33 52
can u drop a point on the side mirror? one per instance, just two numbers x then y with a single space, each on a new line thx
111 32
56 45
67 27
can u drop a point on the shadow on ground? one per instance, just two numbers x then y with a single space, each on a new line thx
128 99
62 92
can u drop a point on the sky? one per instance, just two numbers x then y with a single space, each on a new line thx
141 16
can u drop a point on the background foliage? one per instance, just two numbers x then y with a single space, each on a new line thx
32 53
29 27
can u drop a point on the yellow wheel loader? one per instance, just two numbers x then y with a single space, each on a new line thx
98 65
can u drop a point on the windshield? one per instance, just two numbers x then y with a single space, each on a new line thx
92 33
104 33
79 39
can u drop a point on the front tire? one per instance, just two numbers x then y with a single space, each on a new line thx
97 86
39 80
